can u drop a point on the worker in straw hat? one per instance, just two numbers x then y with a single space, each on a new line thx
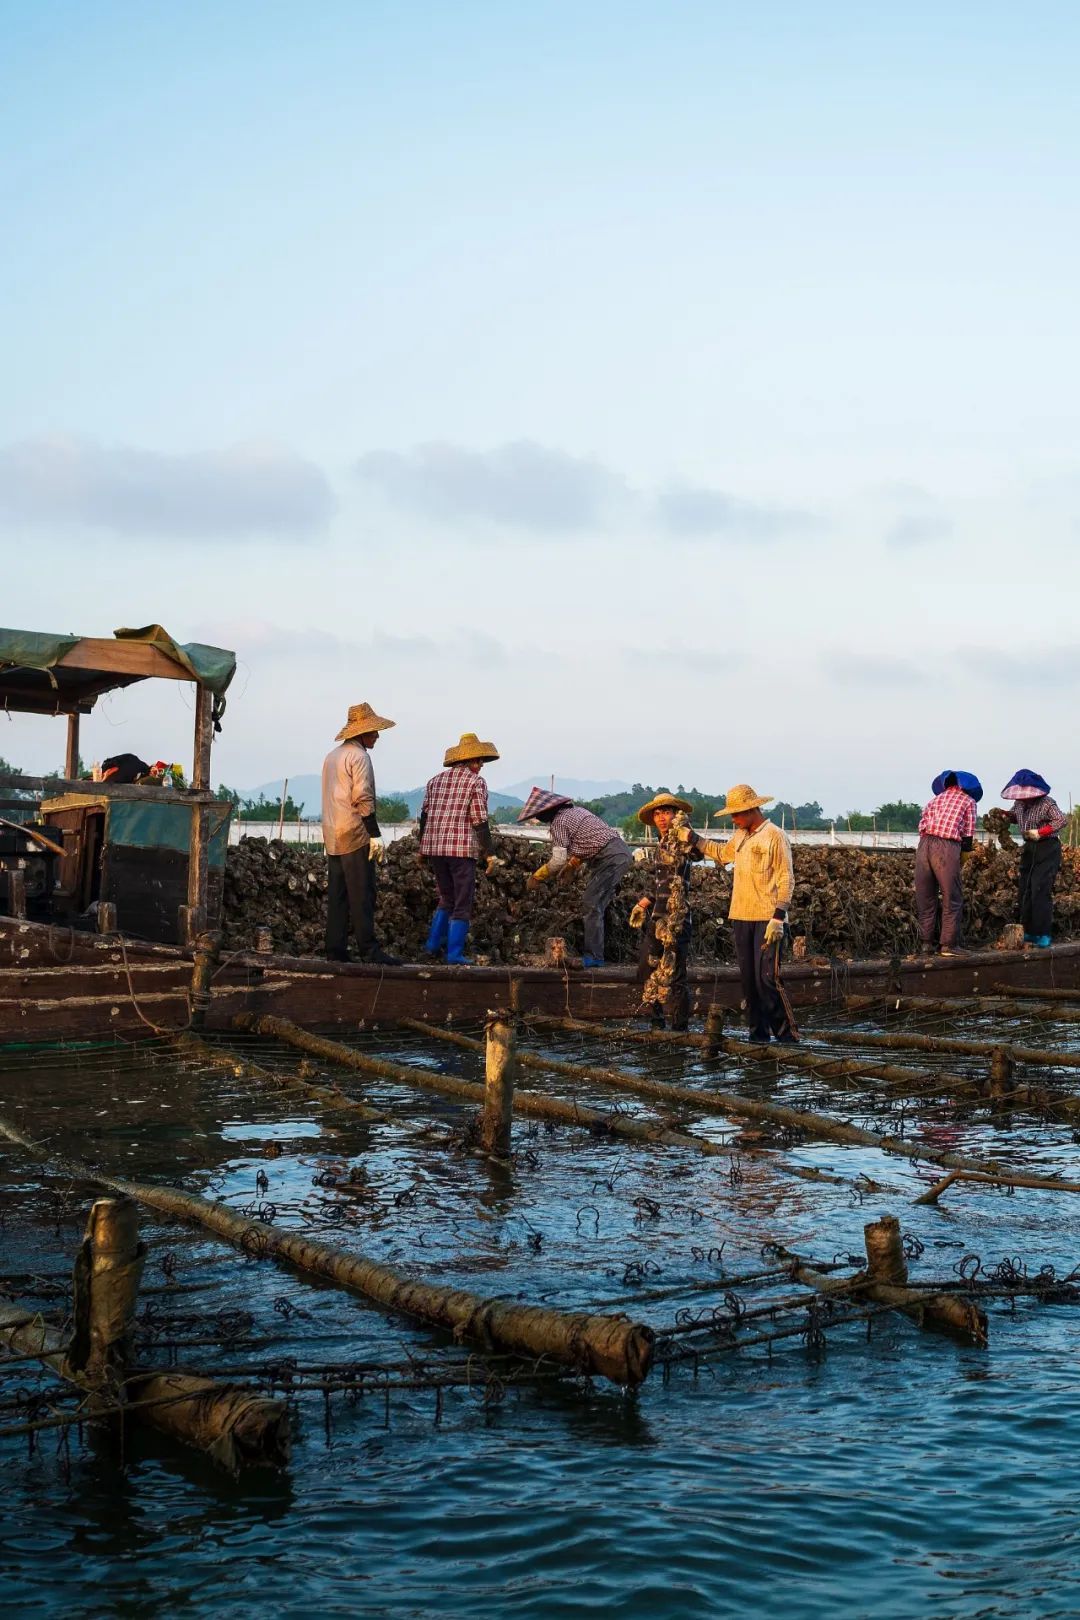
454 831
354 846
664 915
1040 821
578 837
761 891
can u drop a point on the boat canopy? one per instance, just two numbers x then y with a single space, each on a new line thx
55 674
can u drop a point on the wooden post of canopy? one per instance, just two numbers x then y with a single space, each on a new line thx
199 846
71 756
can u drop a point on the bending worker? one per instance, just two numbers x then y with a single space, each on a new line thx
454 830
761 891
1040 820
665 869
354 846
946 831
580 838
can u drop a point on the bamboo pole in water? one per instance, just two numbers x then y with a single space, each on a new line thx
947 1043
969 1006
885 1283
611 1346
749 1108
1010 991
533 1104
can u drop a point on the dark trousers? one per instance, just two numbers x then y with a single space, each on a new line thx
605 870
1039 866
677 1002
765 1010
455 879
350 897
937 870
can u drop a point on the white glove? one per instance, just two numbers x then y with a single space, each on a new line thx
1032 835
641 853
774 930
376 851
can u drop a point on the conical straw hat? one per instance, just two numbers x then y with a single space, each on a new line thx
470 747
362 719
742 797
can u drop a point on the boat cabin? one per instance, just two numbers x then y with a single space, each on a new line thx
144 858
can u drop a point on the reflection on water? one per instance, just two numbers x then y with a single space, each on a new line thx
899 1475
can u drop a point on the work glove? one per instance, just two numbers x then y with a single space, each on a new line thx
1032 835
641 853
685 835
534 879
376 851
640 913
493 864
774 930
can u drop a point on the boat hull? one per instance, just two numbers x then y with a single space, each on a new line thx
58 984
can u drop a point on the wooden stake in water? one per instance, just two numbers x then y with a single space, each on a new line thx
499 1043
108 1268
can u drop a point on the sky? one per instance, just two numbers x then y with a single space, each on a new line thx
668 393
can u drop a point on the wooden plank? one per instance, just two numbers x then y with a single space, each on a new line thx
59 786
141 658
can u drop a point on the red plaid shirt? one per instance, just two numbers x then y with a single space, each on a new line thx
455 802
949 815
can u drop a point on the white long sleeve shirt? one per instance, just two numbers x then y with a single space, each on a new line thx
348 795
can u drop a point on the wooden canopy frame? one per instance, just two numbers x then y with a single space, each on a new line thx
72 685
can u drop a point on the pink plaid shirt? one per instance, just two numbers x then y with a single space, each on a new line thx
949 815
455 802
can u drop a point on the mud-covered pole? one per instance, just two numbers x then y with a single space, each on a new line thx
108 1268
885 1261
207 951
714 1030
1002 1068
499 1043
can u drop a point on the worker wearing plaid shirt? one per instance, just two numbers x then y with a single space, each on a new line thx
946 831
579 837
454 830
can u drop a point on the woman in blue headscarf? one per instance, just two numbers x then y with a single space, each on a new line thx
1040 821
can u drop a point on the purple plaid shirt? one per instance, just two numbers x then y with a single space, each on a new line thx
580 833
1034 814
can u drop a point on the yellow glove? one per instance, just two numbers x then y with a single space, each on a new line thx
774 930
534 880
640 913
376 851
493 864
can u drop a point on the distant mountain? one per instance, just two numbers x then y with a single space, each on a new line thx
307 790
573 786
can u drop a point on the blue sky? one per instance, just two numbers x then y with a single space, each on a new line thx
676 393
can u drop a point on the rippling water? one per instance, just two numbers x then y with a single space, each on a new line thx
899 1475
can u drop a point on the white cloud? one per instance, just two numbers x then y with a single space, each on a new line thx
247 490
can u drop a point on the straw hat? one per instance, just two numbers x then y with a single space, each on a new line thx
742 797
362 719
662 801
470 747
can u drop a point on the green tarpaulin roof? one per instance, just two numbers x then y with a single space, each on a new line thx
42 673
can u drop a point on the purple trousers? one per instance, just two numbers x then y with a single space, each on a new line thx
455 879
937 872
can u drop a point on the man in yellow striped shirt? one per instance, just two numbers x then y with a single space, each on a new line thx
761 891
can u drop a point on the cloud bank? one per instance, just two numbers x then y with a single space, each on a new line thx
246 490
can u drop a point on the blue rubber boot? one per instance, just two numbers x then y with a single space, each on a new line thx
1029 939
1042 940
592 961
455 950
436 939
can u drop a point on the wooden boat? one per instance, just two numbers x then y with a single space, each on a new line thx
57 983
106 943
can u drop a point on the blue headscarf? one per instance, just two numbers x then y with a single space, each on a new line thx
1026 785
964 780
